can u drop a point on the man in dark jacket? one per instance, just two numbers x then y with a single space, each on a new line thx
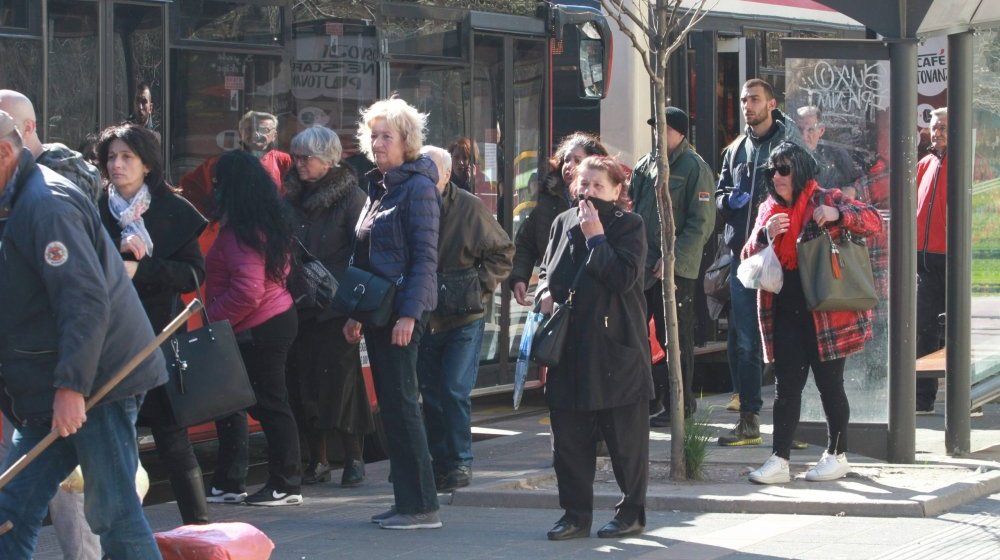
61 339
740 190
691 188
474 247
836 168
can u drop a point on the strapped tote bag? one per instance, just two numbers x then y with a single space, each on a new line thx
207 377
836 276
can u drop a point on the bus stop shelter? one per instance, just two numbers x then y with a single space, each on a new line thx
897 26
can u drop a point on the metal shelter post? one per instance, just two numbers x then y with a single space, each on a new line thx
902 251
959 256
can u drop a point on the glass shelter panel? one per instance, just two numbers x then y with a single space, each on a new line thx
334 75
138 59
212 90
257 23
841 108
25 75
985 336
73 57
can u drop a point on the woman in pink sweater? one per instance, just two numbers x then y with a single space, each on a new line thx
245 284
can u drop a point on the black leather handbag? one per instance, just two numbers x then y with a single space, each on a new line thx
459 293
207 377
549 342
311 284
365 297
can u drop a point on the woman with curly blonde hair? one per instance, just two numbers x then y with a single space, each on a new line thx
396 238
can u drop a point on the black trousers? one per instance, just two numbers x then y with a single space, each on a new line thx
685 326
264 356
931 295
626 431
172 443
796 351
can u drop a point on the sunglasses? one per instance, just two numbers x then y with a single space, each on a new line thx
783 169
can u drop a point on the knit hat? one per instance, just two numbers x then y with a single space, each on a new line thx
676 119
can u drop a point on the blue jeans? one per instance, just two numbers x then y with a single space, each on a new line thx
394 369
746 362
447 366
105 448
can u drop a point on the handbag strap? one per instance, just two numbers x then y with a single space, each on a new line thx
576 280
201 298
306 255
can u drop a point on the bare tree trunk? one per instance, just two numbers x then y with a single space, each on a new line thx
664 207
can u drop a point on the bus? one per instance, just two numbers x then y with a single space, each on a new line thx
511 76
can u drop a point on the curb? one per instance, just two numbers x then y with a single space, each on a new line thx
795 498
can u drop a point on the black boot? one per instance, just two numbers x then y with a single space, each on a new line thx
189 491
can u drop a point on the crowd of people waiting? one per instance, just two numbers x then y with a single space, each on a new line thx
241 221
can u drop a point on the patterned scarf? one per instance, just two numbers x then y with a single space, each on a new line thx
129 213
784 244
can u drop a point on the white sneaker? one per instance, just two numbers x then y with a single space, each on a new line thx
216 496
829 467
773 471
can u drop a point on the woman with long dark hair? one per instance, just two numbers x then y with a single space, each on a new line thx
157 232
795 338
554 197
246 271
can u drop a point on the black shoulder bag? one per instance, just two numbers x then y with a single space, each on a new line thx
549 342
364 296
309 282
207 377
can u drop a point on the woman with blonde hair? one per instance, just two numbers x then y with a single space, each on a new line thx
396 238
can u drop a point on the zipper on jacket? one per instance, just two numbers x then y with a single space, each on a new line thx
753 186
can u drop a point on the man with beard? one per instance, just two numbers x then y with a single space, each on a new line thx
738 193
258 131
142 108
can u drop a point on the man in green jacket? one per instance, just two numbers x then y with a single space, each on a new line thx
691 186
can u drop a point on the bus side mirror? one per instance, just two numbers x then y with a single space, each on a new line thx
594 62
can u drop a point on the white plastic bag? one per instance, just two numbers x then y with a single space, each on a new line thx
762 271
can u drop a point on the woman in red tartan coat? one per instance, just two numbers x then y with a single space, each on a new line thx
797 339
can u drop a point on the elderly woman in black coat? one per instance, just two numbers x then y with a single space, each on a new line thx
157 232
324 371
603 382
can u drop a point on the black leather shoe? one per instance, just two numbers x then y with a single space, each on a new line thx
459 477
617 529
353 475
566 529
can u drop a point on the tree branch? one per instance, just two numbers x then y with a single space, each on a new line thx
642 50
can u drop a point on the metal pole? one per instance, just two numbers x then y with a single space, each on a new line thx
902 251
959 262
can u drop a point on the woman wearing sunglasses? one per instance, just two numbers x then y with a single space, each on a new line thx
797 339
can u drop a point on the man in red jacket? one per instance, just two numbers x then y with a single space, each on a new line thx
932 214
258 132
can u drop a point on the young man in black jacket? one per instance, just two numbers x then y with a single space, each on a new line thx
740 190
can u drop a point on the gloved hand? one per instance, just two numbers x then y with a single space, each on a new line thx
738 200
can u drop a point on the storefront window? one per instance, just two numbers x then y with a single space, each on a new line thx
25 75
14 14
217 20
423 37
73 71
211 91
334 75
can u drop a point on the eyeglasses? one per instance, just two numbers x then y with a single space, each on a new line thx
783 169
265 130
299 158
